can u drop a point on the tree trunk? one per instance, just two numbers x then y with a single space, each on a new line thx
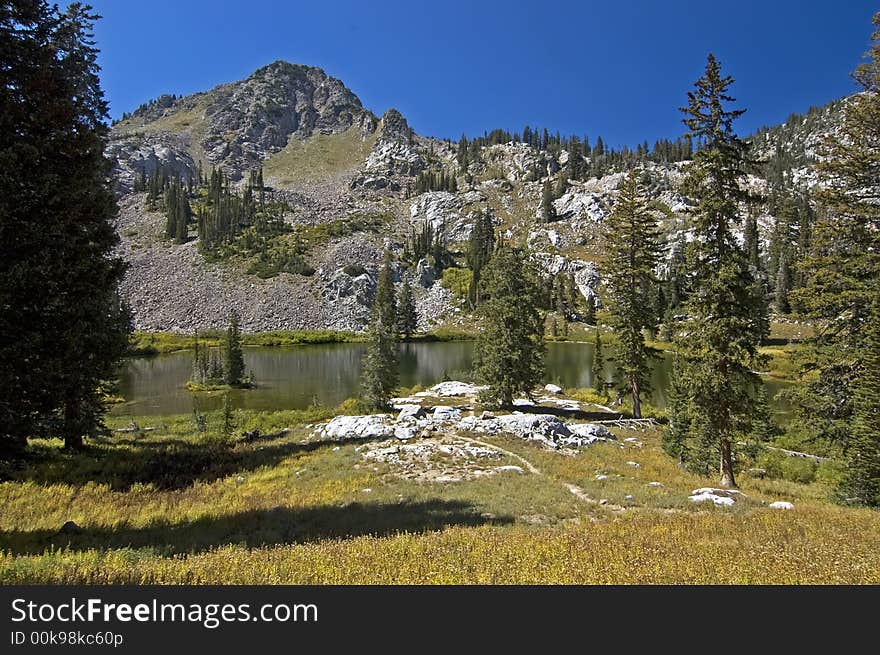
637 402
727 479
73 442
71 429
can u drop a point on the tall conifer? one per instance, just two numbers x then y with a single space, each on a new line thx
718 396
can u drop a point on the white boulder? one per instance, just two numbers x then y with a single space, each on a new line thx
454 388
445 413
706 497
372 426
410 413
725 497
404 432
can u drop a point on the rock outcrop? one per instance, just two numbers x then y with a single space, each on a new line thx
327 158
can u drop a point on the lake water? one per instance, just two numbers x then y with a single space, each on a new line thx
294 377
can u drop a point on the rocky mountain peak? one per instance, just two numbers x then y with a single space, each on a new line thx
393 127
236 126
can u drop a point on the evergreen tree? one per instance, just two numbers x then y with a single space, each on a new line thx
783 285
229 423
633 249
561 187
590 316
386 302
841 272
548 210
233 357
752 240
463 154
407 320
379 374
861 481
718 397
480 246
510 350
598 368
63 326
572 295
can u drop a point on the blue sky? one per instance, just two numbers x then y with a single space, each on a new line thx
619 68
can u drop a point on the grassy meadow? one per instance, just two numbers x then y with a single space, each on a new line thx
171 505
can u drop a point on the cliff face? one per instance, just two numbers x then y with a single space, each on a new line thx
330 162
237 126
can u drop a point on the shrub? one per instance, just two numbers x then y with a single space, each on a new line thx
793 469
457 280
799 469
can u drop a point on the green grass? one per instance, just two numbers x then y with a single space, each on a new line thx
791 331
155 343
782 362
144 344
175 506
318 157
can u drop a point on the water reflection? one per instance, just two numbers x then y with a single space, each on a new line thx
292 378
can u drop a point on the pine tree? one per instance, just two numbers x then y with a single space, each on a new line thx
598 368
590 316
229 423
548 210
407 320
718 399
752 240
183 216
233 358
861 481
633 250
386 302
841 272
783 285
379 373
63 325
510 350
480 246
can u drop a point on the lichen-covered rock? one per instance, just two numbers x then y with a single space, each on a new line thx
143 154
455 388
586 434
445 413
371 426
723 497
241 123
395 151
341 285
425 274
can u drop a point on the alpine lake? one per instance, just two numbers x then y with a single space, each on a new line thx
297 376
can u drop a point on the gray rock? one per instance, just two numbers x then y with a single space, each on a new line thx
404 433
371 426
425 274
445 413
411 412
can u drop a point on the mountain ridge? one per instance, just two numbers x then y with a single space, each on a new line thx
327 159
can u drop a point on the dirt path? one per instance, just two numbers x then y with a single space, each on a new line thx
531 467
579 493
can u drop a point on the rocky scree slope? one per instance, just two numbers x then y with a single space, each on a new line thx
329 159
